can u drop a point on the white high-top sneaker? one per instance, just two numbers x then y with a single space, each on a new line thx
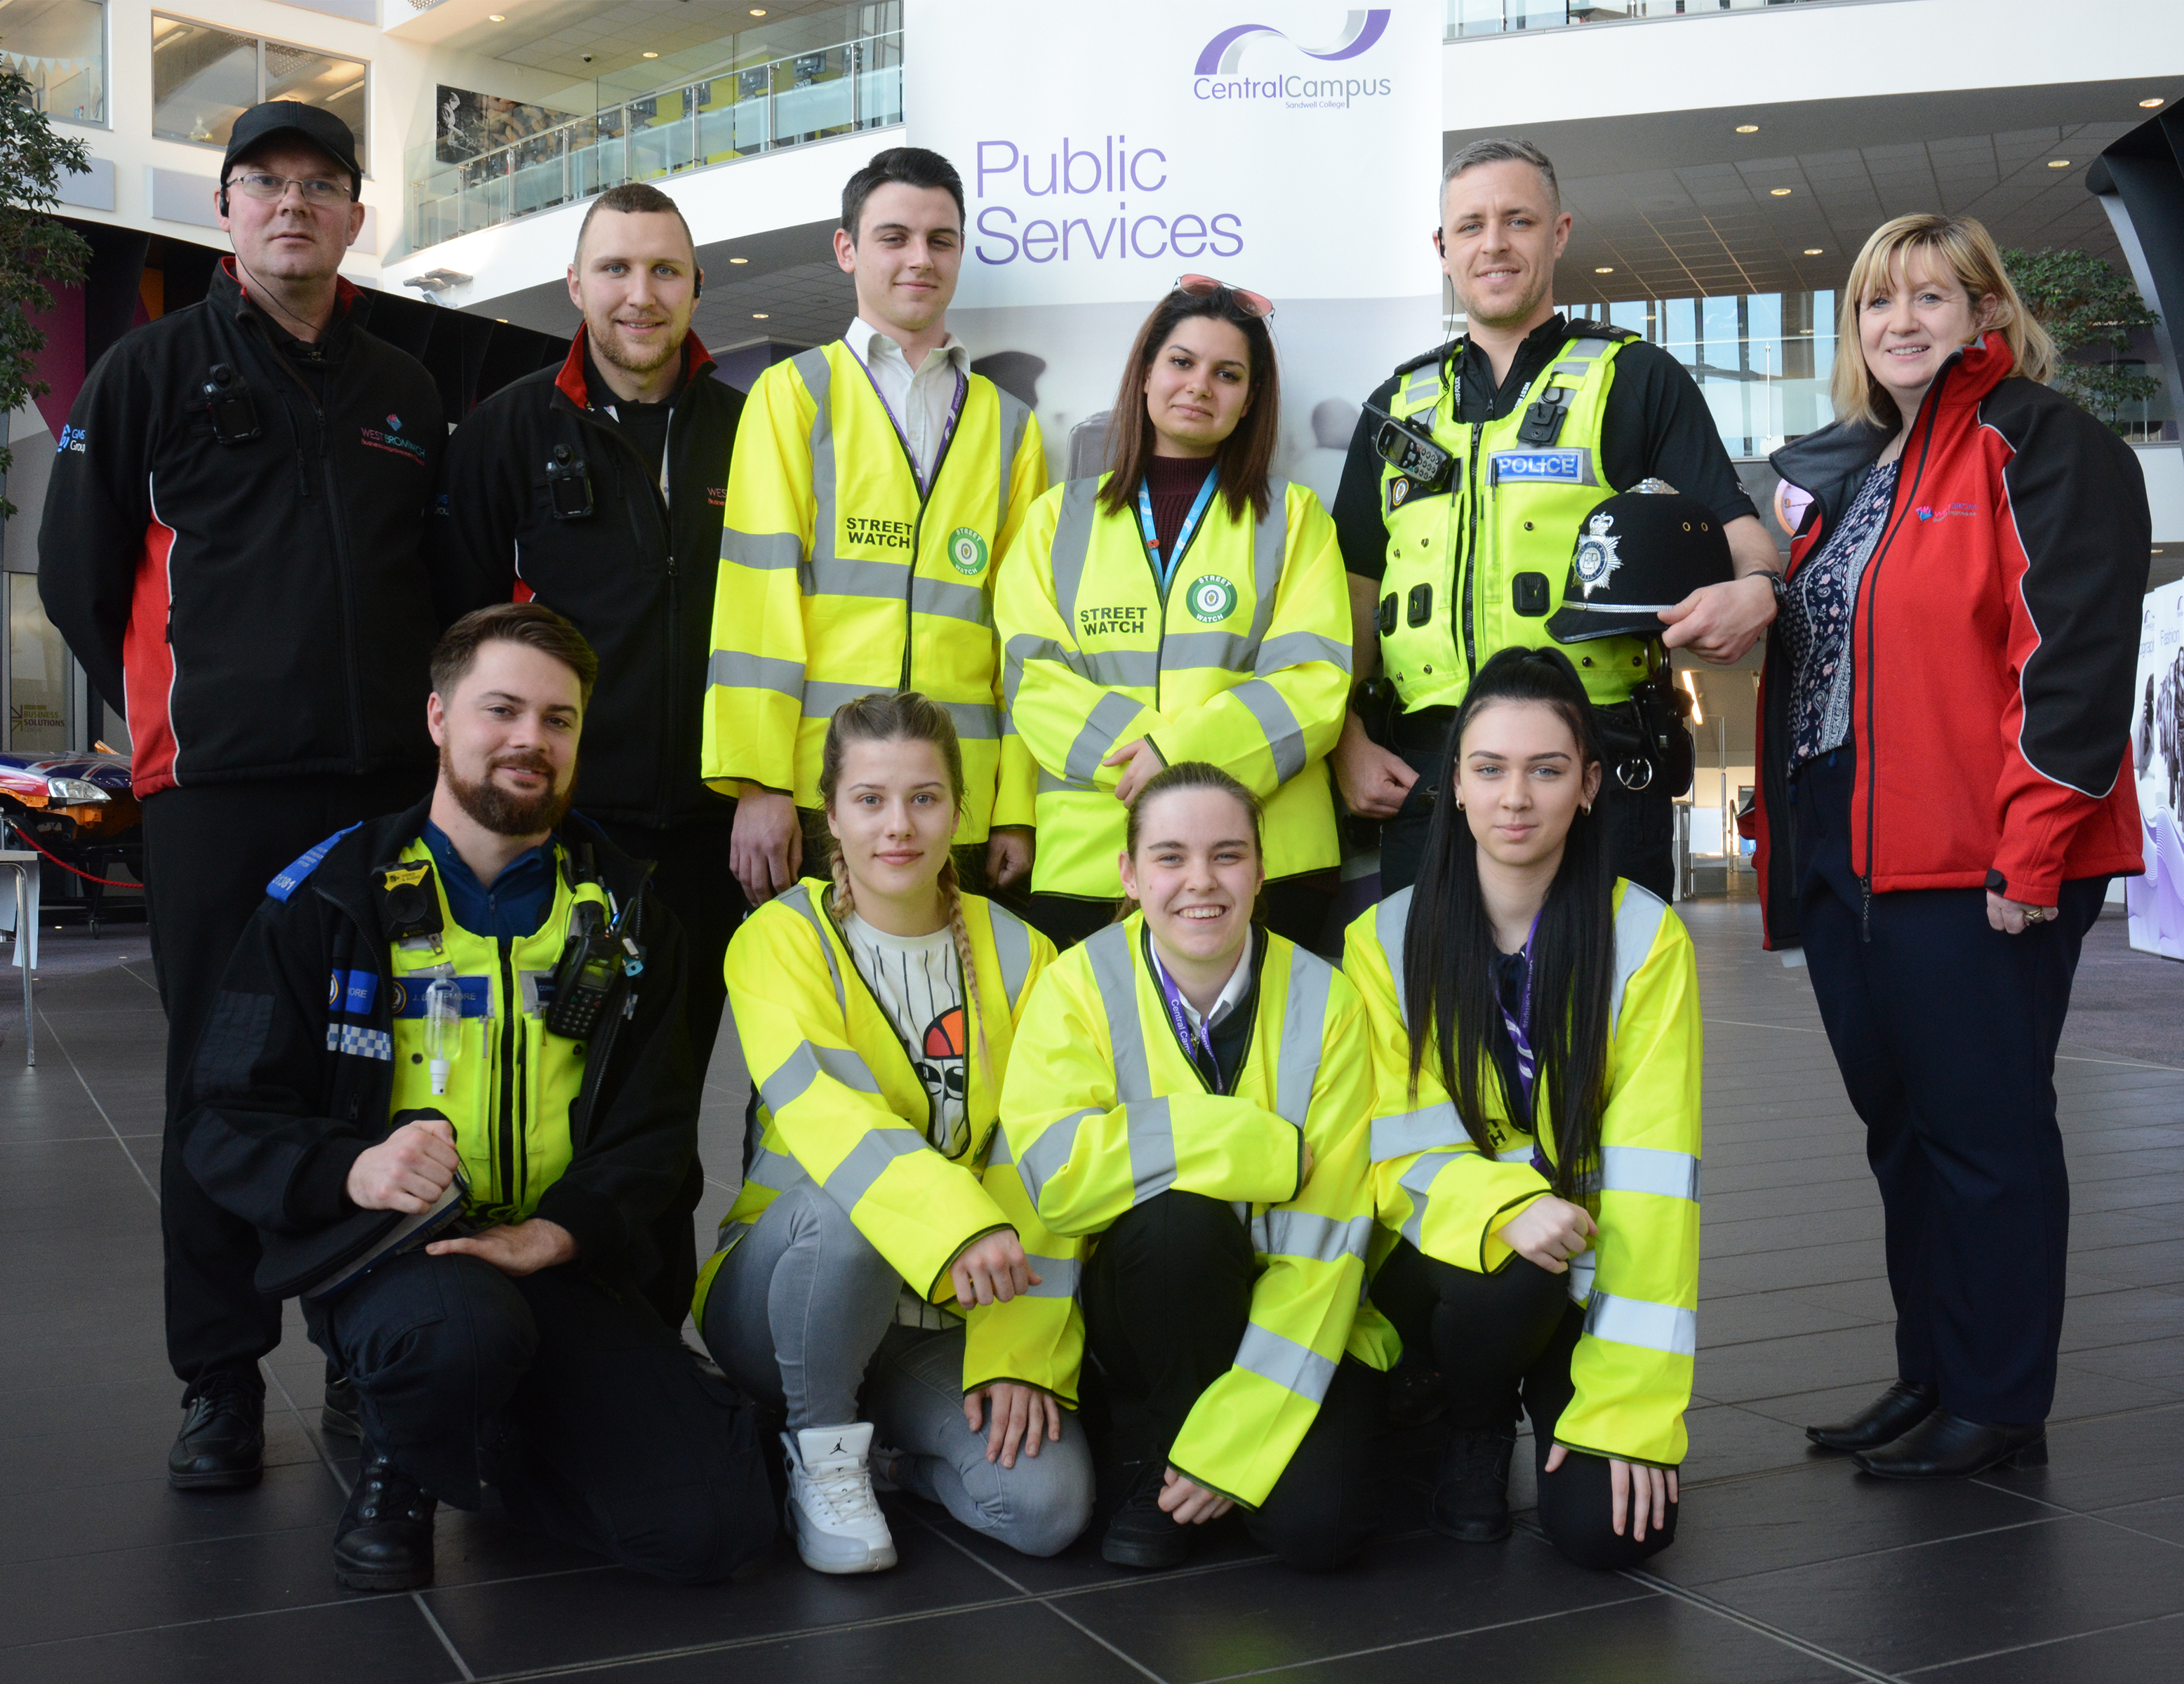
831 1511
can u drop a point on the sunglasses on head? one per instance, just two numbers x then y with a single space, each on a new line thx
1206 286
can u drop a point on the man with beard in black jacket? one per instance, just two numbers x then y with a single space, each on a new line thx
231 547
596 489
475 999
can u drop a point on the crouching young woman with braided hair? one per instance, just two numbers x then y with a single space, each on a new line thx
864 1250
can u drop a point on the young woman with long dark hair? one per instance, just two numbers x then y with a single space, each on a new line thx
1537 1055
1184 606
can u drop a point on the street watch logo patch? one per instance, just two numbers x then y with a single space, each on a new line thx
875 534
966 551
391 441
1212 598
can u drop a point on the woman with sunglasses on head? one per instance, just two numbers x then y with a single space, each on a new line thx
1184 605
1536 1053
1188 1101
865 1255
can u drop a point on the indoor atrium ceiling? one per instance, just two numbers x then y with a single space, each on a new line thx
555 34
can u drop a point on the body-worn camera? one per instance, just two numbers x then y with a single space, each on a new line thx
1413 452
568 485
234 411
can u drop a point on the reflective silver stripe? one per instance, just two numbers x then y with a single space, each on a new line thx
1304 1028
1073 539
732 669
1389 919
1646 1168
1012 947
764 551
1039 1165
1295 648
1114 969
1582 1268
797 899
806 1065
1637 922
1637 1321
1419 1131
775 1171
1422 381
1293 1367
975 722
855 576
1577 368
1152 1148
1417 1182
818 376
1014 418
1049 784
1115 668
1284 735
1514 1155
1191 650
945 599
1270 540
1320 1239
867 1161
1109 717
1023 646
1057 1276
998 1150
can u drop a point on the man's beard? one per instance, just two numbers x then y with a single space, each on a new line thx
1516 314
503 813
612 347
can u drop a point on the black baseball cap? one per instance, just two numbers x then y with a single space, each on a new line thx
320 128
1639 552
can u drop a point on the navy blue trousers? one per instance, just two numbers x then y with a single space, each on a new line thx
1945 1030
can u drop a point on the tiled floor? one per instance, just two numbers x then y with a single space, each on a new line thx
1789 1568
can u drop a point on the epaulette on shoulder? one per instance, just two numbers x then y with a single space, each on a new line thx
1580 327
292 876
1438 354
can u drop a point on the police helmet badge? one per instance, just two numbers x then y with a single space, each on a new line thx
1596 560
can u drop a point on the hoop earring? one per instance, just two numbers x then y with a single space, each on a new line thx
1586 809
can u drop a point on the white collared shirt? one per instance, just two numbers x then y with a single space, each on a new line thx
1230 996
922 399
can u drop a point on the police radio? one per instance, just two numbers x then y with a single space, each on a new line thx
234 412
568 485
1413 452
593 962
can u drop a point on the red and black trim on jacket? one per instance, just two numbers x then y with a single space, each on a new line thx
1994 643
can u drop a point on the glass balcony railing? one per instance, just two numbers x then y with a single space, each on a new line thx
1468 18
726 117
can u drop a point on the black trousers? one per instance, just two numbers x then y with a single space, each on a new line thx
1503 1340
691 874
1295 909
1166 1297
1945 1030
1641 828
208 853
568 1395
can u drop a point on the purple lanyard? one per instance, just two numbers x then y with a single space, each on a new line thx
1521 1040
947 431
1193 1039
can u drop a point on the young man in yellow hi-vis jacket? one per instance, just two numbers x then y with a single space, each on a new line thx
1536 1053
1188 1099
875 484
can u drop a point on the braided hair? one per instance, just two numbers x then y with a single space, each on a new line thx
903 716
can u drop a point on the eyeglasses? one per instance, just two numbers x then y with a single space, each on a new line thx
257 184
1206 286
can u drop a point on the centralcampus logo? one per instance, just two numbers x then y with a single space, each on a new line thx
1218 74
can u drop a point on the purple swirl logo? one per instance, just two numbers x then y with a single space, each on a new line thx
1360 33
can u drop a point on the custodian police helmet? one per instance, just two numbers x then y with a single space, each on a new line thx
1639 552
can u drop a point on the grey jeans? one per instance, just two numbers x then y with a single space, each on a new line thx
801 1316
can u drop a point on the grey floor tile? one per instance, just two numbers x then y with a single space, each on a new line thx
2145 1649
382 1640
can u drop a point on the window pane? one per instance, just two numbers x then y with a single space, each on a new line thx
60 48
202 81
335 84
37 671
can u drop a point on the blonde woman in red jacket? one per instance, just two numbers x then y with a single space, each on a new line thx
1944 724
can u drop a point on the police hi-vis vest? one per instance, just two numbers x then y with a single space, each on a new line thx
1639 1280
841 1106
1480 567
840 575
1104 1110
511 1085
1246 665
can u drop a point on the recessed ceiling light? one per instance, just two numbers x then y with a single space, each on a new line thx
1780 192
2150 104
1747 128
758 11
2058 164
1811 251
496 17
1605 268
738 259
652 55
762 315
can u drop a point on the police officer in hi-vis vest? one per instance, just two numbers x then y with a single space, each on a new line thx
876 482
1469 476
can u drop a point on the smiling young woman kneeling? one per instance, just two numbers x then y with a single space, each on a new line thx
1187 1099
1536 1129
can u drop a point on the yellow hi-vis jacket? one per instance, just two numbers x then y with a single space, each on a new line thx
1103 1110
1638 1281
839 576
1246 665
840 1104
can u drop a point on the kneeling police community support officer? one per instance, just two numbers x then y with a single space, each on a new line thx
1538 418
480 997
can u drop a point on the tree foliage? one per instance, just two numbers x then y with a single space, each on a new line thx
2083 302
36 251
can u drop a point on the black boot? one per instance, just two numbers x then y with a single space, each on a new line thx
1947 1446
1471 1498
337 1415
383 1541
222 1444
1894 1413
1141 1535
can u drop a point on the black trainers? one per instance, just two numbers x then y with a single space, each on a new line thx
222 1444
383 1541
337 1414
1141 1535
1471 1500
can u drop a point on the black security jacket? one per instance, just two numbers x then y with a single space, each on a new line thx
636 574
278 1117
261 606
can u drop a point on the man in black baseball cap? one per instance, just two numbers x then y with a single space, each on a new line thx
232 549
